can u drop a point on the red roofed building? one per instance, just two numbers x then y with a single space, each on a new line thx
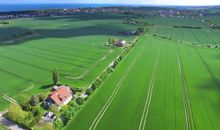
60 96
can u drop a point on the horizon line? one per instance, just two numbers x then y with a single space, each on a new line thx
130 4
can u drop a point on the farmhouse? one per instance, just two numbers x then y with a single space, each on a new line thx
120 43
59 96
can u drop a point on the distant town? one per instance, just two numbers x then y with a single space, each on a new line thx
159 11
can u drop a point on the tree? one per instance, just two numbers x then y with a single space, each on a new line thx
89 91
58 123
16 114
67 115
55 77
53 108
140 30
30 32
15 35
111 41
80 101
34 100
41 97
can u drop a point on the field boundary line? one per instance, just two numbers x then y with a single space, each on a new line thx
187 105
114 93
149 94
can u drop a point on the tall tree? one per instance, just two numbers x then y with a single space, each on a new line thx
55 76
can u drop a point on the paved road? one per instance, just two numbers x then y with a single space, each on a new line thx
9 124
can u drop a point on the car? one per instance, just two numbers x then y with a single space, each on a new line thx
53 117
46 114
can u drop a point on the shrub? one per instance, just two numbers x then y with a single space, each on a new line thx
30 32
41 97
34 100
80 100
93 87
53 108
58 124
109 70
74 105
15 35
67 116
89 91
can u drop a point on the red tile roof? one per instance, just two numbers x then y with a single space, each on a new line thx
60 95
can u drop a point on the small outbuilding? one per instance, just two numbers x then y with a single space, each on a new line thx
120 43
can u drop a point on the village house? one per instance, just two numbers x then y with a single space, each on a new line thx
120 43
60 95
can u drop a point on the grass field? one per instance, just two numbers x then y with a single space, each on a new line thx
164 27
160 85
75 45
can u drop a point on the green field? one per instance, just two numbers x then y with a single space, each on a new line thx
161 84
75 45
164 27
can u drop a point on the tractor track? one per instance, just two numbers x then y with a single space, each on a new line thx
187 105
149 95
214 78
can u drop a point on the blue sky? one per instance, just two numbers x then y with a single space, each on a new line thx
156 2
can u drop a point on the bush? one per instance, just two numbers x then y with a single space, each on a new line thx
34 100
17 115
15 35
111 41
41 97
80 100
89 91
109 70
30 32
73 106
58 124
97 82
26 106
53 108
93 87
67 116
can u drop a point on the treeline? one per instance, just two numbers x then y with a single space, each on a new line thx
4 22
164 37
16 36
189 27
134 21
206 45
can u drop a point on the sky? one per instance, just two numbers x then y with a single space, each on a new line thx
147 2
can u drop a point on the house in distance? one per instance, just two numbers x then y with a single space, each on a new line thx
60 95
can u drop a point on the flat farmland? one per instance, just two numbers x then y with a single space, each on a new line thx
164 27
161 84
75 45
